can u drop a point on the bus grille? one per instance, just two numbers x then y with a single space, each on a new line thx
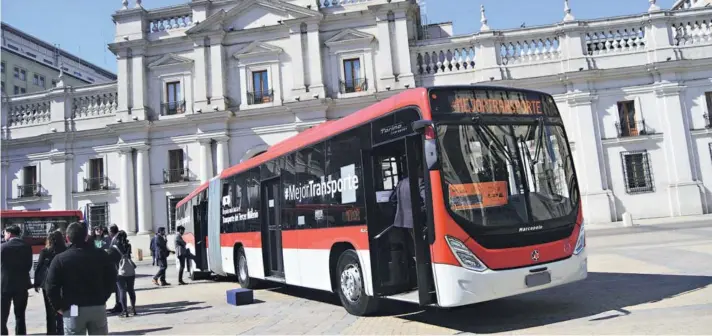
502 241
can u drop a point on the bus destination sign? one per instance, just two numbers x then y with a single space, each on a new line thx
487 102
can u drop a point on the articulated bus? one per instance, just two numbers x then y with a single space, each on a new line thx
37 224
495 210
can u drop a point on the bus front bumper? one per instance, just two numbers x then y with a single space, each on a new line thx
458 286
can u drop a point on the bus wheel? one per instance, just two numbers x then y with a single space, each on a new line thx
351 286
243 274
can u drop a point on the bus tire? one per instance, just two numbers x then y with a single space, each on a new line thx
242 271
350 286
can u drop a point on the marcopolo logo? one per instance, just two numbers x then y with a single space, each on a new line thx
346 185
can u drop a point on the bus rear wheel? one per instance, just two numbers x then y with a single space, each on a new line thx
350 286
242 272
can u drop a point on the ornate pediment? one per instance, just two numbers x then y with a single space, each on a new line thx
252 14
170 59
349 37
257 48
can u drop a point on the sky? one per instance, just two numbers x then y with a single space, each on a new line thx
84 27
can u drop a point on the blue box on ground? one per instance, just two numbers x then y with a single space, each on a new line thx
239 296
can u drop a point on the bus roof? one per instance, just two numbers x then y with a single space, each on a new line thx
40 213
412 97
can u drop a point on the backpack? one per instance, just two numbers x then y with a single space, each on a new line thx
126 265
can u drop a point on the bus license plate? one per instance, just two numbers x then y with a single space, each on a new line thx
537 279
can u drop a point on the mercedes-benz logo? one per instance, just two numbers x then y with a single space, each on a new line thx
535 255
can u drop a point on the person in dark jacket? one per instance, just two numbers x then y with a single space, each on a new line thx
55 245
109 242
82 303
182 253
161 251
15 267
152 248
122 250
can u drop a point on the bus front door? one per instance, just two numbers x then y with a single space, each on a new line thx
200 232
272 229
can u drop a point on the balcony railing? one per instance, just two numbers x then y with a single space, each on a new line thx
354 85
96 183
29 190
172 108
260 97
627 129
175 175
708 120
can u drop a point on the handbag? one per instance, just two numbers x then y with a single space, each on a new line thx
127 267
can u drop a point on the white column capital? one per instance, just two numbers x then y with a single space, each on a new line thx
222 139
204 141
143 148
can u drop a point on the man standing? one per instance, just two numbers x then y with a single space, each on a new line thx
82 303
16 257
182 253
109 243
161 251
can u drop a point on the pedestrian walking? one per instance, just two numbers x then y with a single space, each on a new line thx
152 248
182 253
15 267
162 252
56 244
82 303
126 276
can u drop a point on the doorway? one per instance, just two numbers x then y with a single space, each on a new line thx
272 229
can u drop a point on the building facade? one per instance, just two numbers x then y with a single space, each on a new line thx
204 85
31 65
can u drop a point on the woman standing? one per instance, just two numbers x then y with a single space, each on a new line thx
126 278
54 246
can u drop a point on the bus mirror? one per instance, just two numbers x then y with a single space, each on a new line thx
420 125
430 152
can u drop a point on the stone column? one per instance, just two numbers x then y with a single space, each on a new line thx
295 39
128 219
684 193
138 85
122 67
404 71
316 78
6 187
201 76
222 153
62 180
217 74
143 193
596 197
384 60
206 160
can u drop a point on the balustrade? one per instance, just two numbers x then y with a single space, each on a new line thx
29 113
445 59
606 41
530 50
95 105
170 22
692 31
337 3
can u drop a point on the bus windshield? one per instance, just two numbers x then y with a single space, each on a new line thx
36 229
508 175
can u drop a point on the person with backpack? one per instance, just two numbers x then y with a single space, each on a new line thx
54 246
126 274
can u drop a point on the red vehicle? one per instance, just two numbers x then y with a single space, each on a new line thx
500 213
37 224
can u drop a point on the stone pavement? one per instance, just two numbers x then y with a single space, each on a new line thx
643 280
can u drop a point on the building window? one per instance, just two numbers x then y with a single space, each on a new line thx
99 215
20 74
54 83
352 77
172 202
19 90
260 88
2 67
29 186
38 80
636 172
3 87
176 170
627 125
96 180
174 103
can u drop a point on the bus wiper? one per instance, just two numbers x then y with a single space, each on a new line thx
485 133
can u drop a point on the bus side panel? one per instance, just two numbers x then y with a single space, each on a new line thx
214 224
306 253
251 244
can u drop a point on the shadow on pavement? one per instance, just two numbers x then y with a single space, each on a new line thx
599 293
140 331
169 308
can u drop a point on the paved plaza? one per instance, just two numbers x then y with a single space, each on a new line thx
652 279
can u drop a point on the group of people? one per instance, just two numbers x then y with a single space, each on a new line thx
74 305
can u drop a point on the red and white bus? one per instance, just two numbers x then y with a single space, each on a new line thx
501 213
37 224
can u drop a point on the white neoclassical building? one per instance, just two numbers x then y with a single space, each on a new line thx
206 84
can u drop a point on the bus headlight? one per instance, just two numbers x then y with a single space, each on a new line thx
464 256
581 241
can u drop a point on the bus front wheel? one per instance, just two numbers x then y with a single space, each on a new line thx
351 286
243 274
